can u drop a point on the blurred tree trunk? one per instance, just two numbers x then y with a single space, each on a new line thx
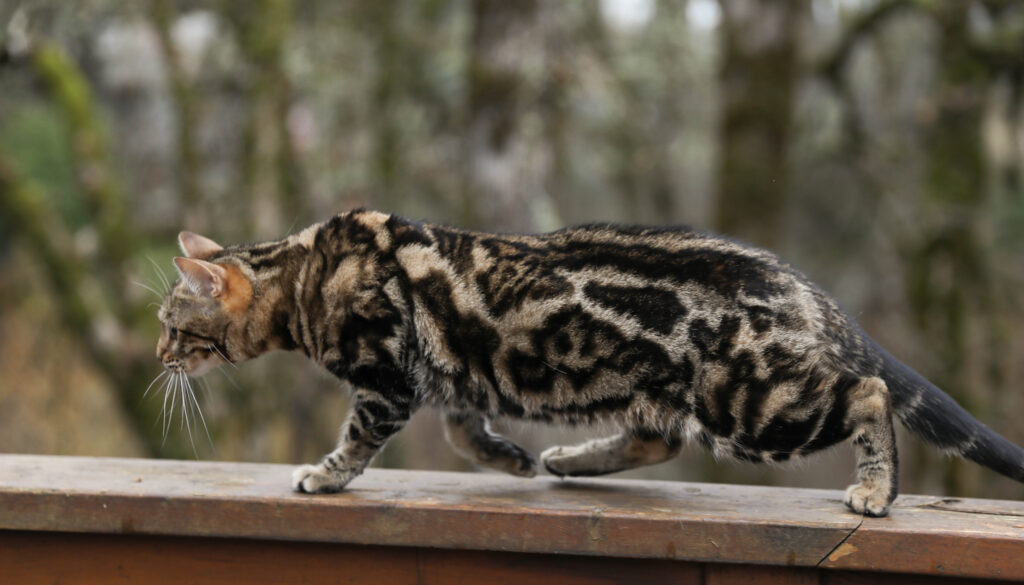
162 13
949 280
560 48
271 174
405 39
505 46
389 81
758 78
758 75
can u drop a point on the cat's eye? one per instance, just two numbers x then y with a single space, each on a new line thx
173 333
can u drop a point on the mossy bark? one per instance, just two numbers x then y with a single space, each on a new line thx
98 184
759 73
505 45
272 176
949 282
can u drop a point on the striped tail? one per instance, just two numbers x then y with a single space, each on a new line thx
935 417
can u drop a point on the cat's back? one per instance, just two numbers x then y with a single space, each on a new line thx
642 281
603 260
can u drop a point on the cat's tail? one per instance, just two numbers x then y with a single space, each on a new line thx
935 417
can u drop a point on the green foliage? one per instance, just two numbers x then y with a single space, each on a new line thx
35 136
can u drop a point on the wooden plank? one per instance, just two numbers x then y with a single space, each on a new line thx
608 518
760 575
47 558
443 510
869 578
939 536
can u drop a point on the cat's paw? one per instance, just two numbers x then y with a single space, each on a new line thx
522 464
315 479
579 461
507 457
867 500
556 461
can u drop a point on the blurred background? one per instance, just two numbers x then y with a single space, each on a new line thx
876 144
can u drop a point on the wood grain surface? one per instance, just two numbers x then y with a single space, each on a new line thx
702 525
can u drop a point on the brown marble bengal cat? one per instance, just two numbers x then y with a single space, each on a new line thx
668 333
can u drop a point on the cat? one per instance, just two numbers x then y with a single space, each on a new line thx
671 334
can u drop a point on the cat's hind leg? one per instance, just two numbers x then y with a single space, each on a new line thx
629 449
470 435
870 415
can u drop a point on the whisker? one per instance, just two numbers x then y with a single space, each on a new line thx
199 410
550 365
163 388
148 388
205 386
185 390
230 378
173 395
149 288
184 411
160 274
163 407
222 356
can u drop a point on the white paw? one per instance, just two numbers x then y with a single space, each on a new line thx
555 459
870 501
314 479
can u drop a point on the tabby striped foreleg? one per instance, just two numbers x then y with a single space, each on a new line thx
373 420
470 436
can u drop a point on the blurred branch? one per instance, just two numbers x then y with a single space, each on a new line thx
187 117
833 65
1000 52
23 207
103 196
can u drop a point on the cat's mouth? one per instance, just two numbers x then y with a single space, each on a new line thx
193 365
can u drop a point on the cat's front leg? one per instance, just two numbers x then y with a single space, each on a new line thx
373 420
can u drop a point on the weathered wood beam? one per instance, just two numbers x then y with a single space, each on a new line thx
89 504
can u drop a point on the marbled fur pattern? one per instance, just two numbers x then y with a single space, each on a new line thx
668 333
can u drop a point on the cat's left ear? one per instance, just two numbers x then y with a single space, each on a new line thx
204 277
196 246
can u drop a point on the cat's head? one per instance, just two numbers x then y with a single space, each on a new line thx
205 310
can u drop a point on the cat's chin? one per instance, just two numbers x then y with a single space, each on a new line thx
201 368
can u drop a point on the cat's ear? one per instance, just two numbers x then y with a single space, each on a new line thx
196 246
203 277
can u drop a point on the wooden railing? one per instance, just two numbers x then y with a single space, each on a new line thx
88 520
